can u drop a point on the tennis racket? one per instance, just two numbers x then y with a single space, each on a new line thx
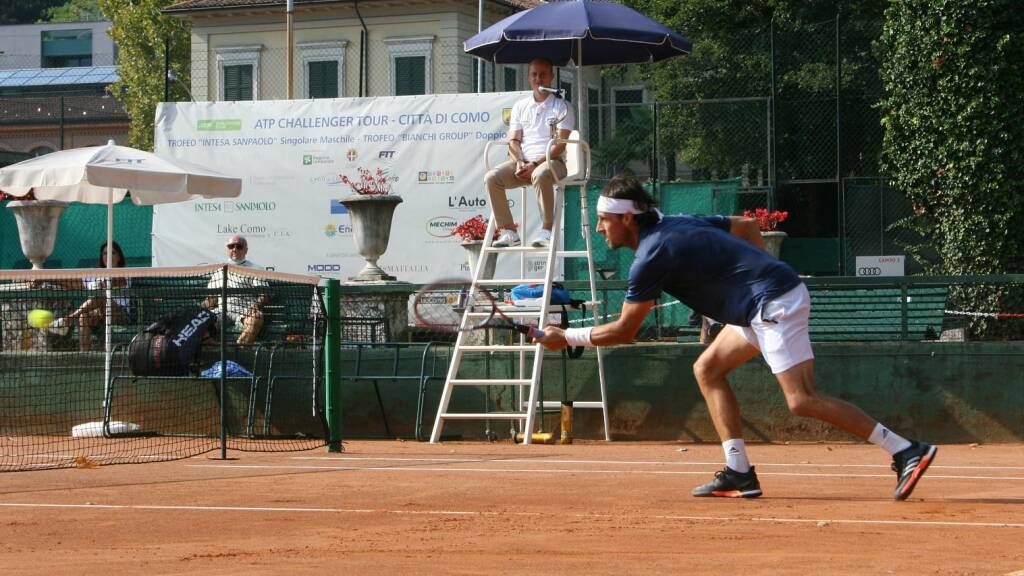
440 305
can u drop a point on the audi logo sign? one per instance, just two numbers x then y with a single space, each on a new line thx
873 266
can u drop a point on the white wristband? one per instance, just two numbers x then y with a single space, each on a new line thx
578 336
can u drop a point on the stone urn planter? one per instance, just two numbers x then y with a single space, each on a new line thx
371 229
37 227
773 241
473 248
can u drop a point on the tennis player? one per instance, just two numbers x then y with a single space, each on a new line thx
717 266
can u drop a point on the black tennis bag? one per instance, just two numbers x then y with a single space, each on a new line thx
168 346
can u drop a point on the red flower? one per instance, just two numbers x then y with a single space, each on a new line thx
766 221
473 229
367 185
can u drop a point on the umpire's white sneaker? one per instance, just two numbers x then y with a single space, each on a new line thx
542 240
506 238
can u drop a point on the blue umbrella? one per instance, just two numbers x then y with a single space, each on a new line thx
578 31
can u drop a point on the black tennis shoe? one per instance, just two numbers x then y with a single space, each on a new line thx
910 465
729 483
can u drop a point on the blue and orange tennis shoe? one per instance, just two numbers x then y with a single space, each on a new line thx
729 483
910 465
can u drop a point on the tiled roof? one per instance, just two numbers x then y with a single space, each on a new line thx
192 5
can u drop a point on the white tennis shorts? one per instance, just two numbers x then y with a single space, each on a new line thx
779 330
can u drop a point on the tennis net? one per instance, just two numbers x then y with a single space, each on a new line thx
124 366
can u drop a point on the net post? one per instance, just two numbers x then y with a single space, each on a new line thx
332 374
223 367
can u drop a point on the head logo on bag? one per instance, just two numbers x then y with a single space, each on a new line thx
168 346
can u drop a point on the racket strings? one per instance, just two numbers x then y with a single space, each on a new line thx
443 306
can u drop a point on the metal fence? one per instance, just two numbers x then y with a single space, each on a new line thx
792 115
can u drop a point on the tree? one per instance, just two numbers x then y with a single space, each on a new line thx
24 11
732 59
952 109
74 11
144 36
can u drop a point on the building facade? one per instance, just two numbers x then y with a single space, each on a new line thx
53 88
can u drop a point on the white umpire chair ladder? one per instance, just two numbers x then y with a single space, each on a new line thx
531 356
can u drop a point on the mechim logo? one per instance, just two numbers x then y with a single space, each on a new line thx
221 125
506 115
441 226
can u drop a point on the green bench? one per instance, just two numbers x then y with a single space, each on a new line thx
883 313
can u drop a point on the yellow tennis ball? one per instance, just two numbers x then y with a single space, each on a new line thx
40 318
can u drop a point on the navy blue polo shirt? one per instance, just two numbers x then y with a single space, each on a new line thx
699 262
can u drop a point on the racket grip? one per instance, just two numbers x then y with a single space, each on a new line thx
536 332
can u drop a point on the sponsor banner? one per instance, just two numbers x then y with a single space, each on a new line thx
879 266
298 159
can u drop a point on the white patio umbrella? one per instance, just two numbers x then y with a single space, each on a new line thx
104 175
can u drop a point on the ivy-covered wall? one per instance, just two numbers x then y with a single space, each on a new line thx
953 111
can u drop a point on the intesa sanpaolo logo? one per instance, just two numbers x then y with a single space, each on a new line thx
219 125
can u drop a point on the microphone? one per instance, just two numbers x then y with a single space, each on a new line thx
558 92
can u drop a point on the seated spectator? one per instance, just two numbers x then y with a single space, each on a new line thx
244 310
92 313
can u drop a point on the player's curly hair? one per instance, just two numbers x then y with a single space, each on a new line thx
624 187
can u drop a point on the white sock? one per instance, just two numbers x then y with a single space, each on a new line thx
58 323
736 455
890 441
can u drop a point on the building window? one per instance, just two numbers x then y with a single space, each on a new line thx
322 80
237 82
594 115
411 64
66 48
621 98
511 79
239 72
323 69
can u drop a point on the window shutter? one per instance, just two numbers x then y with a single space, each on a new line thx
510 80
323 79
238 82
410 75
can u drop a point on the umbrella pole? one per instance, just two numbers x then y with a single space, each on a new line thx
108 329
580 107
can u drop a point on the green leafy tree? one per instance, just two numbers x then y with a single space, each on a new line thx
24 11
74 11
952 117
144 36
732 59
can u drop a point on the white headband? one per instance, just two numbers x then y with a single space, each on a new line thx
616 206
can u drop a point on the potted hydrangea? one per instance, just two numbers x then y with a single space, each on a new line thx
767 221
471 232
371 209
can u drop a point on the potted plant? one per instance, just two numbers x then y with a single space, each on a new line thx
472 231
767 221
371 209
37 222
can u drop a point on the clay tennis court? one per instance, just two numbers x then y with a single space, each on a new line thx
389 507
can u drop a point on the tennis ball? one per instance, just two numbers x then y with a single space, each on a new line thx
40 318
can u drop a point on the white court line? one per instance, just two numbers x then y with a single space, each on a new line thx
542 460
506 513
422 469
